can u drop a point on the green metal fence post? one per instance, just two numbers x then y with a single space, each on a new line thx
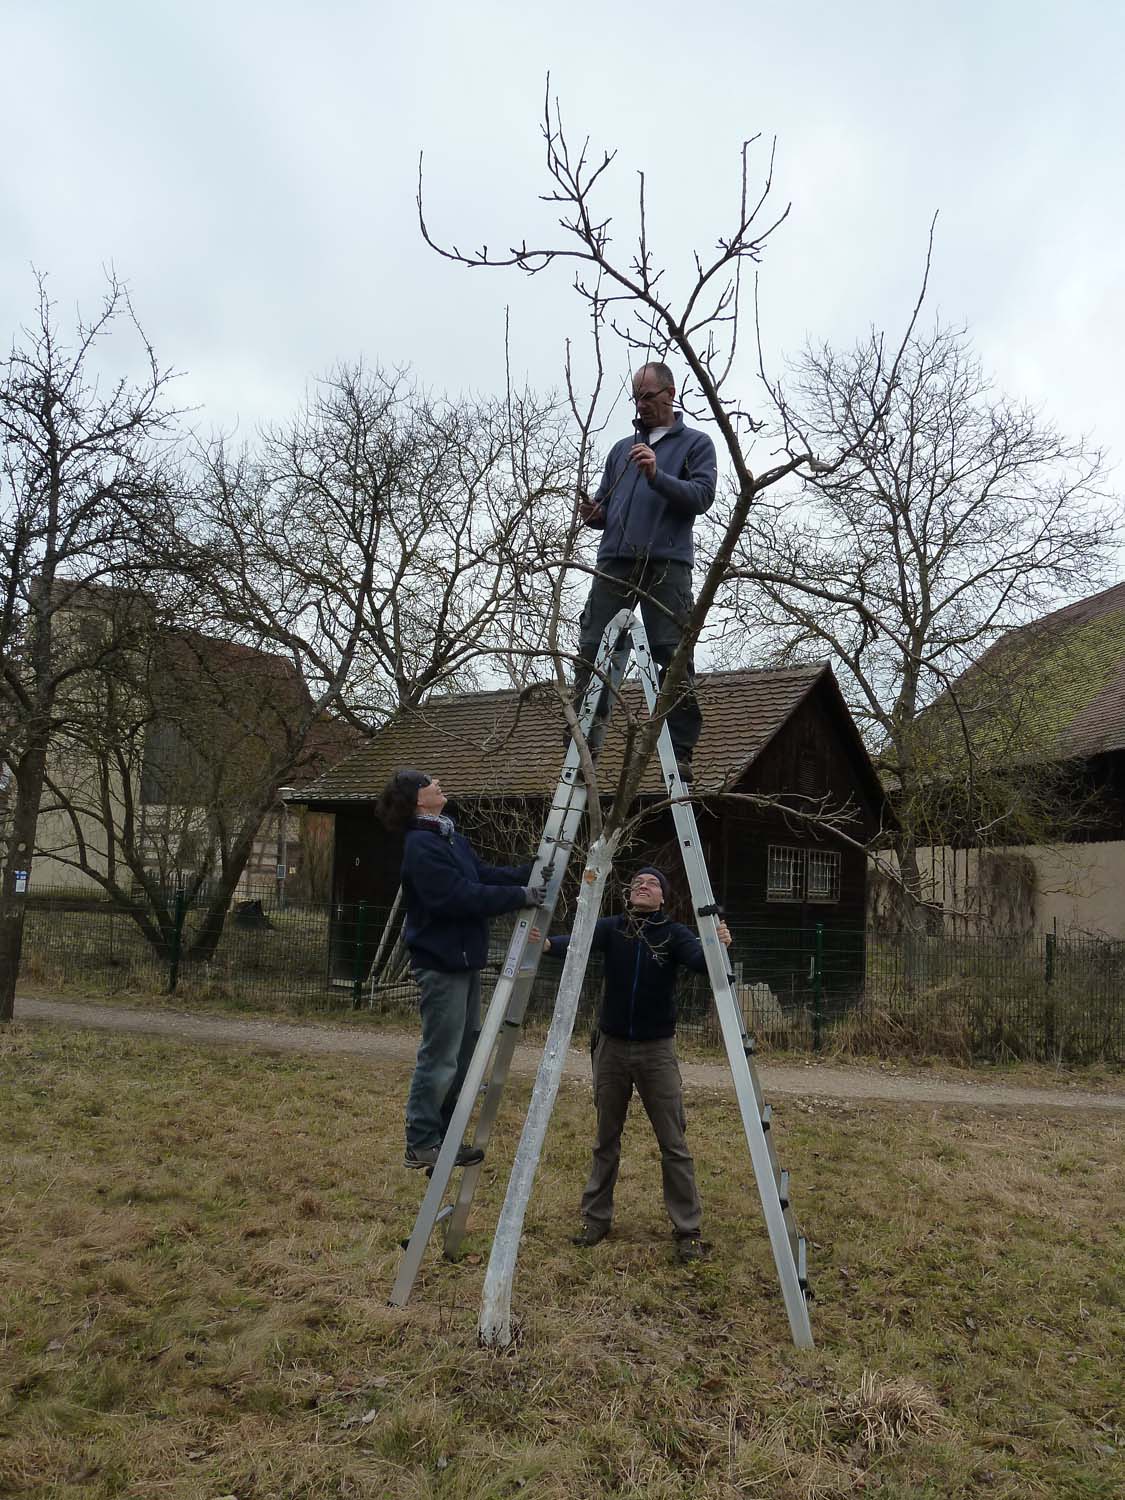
357 972
818 987
177 942
1049 954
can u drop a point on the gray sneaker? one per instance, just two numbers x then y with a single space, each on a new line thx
421 1156
426 1156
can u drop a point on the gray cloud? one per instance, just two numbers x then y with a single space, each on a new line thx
251 169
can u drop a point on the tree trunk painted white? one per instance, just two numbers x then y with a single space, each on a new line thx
496 1301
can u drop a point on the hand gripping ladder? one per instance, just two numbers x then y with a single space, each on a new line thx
503 1020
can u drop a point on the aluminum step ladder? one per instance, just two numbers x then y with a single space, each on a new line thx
624 634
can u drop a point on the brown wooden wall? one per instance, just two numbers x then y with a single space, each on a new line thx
814 755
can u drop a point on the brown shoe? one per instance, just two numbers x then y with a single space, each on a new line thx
590 1234
688 1249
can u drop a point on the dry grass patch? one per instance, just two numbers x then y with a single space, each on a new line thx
196 1248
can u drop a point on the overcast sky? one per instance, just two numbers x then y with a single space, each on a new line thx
250 169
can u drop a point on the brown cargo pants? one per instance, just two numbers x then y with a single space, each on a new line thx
651 1068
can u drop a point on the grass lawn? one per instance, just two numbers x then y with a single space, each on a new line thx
196 1247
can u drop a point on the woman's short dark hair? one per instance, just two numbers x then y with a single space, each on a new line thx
399 801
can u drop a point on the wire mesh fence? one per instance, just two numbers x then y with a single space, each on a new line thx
811 987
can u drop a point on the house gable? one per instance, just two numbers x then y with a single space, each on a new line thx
1048 691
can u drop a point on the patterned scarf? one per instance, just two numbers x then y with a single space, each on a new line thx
438 822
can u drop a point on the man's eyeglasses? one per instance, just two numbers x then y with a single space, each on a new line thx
642 396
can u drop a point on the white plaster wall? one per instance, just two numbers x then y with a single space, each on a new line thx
54 830
1082 888
55 839
1079 888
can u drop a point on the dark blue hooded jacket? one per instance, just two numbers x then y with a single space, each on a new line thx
450 895
654 519
642 952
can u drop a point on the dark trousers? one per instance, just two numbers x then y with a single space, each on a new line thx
651 1068
450 1007
664 592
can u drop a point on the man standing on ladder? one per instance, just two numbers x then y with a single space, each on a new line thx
635 1048
655 484
449 896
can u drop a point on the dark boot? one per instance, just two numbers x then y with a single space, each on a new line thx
590 1234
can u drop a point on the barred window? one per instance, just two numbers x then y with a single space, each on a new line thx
785 875
802 874
823 878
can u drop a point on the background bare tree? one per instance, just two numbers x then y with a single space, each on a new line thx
383 538
82 504
939 514
158 769
380 548
369 554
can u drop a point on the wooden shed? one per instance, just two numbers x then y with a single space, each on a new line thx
786 799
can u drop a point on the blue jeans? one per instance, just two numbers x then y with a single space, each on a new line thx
450 1006
663 590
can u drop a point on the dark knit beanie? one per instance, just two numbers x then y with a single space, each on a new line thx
660 875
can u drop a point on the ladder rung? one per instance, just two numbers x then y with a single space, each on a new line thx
783 1189
802 1263
767 1115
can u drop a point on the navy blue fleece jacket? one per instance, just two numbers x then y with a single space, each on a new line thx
450 895
642 952
654 518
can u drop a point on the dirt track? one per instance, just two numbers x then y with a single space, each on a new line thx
811 1080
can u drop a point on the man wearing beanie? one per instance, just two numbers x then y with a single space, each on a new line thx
635 1047
449 896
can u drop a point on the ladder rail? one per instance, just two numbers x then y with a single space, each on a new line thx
612 663
495 1328
510 1033
785 1241
550 867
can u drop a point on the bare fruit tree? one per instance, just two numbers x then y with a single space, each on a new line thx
945 514
170 666
83 503
384 531
625 295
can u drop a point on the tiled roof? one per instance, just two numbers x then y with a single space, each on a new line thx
478 744
1053 689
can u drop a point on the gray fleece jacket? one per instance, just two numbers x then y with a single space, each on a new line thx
642 518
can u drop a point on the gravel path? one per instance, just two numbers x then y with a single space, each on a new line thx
813 1080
